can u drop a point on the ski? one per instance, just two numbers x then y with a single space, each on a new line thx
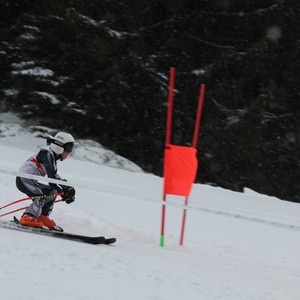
94 240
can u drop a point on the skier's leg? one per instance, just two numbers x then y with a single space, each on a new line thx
33 189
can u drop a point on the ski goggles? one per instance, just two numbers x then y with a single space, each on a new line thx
68 147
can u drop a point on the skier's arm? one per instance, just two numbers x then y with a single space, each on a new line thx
45 158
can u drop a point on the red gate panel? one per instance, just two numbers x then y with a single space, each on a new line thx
180 168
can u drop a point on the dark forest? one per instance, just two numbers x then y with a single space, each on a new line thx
100 69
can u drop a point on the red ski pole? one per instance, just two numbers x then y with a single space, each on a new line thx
28 198
22 208
15 202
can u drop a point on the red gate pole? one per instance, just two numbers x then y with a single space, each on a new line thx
163 214
195 139
198 117
167 142
170 106
183 221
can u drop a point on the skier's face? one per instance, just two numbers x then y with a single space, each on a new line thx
64 155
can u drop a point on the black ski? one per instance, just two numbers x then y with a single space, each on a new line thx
58 234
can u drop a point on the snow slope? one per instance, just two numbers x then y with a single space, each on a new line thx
238 246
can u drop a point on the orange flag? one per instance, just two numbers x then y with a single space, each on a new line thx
180 168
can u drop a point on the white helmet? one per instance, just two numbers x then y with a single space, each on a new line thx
51 136
61 142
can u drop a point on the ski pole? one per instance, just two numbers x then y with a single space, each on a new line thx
22 208
15 202
28 198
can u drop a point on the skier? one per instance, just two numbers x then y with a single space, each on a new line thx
42 164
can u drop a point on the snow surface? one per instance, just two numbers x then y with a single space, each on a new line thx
238 246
